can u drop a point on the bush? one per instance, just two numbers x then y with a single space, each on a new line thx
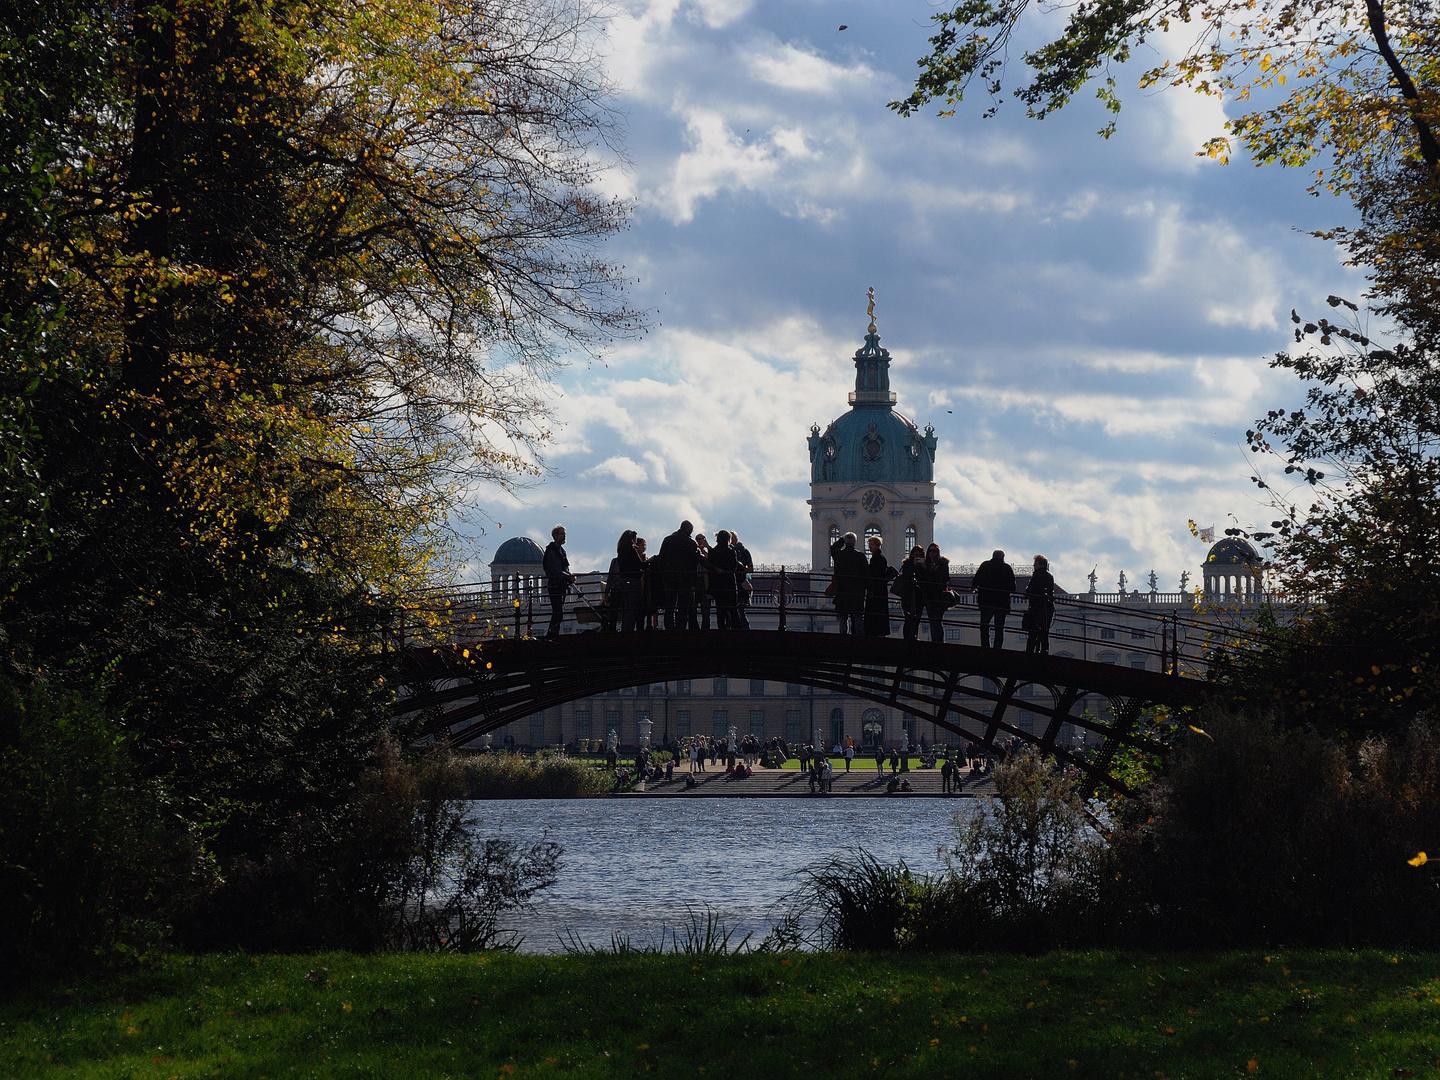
1259 835
402 871
512 776
422 880
94 861
1022 874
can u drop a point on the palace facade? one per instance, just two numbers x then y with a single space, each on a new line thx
872 472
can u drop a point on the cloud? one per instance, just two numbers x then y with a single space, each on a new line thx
622 468
790 68
1086 322
717 159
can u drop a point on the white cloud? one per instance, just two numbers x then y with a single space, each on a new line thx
1231 281
800 70
716 159
624 469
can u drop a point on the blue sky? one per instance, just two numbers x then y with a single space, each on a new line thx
1086 322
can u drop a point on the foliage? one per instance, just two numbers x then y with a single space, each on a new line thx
1257 834
710 936
93 857
399 868
1356 90
852 902
281 283
423 879
1027 862
1089 1015
514 776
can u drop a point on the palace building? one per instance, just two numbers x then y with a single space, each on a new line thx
872 472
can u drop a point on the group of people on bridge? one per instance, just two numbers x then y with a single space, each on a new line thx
680 584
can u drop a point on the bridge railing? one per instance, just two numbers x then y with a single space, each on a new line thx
1158 631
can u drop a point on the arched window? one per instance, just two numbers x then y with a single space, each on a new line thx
912 537
837 727
872 728
872 529
834 533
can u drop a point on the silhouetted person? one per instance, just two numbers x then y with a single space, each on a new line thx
1041 594
877 595
724 581
993 583
558 578
911 601
934 578
743 584
852 576
630 572
702 585
679 559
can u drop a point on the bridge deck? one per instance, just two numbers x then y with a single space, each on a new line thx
466 691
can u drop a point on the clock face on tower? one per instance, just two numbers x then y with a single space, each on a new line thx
872 501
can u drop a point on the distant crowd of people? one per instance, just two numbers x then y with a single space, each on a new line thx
689 577
818 765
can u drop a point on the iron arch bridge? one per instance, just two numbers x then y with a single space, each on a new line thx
461 692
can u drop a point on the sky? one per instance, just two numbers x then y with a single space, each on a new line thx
1086 322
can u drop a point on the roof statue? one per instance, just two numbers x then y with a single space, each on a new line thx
870 309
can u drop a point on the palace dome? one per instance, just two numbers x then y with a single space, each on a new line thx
519 551
873 441
1233 551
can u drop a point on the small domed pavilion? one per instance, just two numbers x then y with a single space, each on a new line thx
1232 571
518 567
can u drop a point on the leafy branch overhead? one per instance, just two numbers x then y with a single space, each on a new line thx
1356 84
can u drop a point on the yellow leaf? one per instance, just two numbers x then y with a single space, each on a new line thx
1419 860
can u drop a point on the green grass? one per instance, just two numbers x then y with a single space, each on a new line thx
1117 1016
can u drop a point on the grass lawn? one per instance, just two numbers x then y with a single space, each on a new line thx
1118 1016
862 763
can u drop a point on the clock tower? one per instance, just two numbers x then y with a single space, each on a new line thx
872 472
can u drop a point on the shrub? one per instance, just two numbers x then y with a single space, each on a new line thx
513 776
422 880
1026 867
1256 834
94 860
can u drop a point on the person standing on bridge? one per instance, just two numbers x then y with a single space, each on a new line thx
724 581
558 578
744 585
934 578
852 577
907 588
1041 594
993 583
629 573
679 559
877 595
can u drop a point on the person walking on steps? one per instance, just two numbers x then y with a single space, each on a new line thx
558 578
993 583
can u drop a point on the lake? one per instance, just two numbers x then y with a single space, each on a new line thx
633 866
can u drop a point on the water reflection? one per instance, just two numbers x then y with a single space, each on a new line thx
633 865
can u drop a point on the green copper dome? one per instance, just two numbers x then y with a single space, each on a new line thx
873 441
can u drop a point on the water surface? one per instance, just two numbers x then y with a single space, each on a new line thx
632 866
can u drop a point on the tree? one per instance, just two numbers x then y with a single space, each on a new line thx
282 281
1359 90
